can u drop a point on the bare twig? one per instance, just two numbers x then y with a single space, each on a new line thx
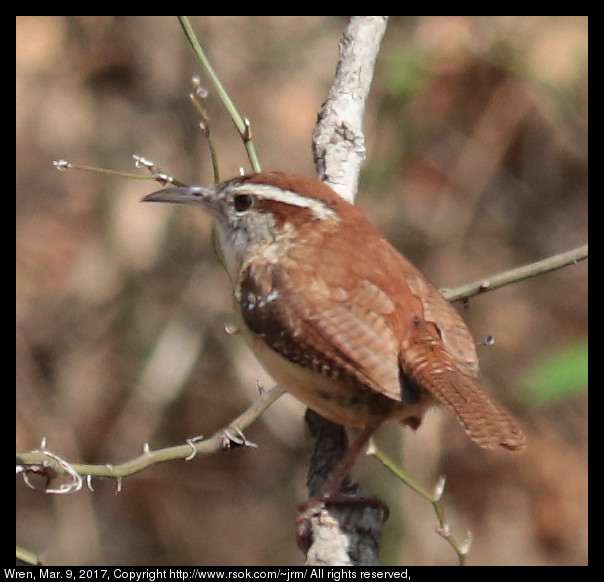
434 497
220 441
518 274
241 123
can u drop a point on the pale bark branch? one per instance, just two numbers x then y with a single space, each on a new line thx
338 138
345 534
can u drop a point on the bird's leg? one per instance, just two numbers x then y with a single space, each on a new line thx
331 464
328 486
332 487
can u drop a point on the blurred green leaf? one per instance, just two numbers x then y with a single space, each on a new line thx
558 376
406 72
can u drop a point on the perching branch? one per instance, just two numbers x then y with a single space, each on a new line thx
347 535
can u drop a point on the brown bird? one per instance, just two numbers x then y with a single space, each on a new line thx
337 316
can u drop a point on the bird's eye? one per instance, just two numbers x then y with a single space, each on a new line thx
243 202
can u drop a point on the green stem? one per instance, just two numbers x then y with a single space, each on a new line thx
461 549
241 124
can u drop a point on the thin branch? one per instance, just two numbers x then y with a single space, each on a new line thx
241 123
37 461
517 274
443 528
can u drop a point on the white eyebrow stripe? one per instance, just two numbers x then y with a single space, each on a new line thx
320 209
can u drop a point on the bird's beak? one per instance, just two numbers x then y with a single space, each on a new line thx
196 195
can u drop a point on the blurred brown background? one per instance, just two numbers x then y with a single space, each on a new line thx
477 162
